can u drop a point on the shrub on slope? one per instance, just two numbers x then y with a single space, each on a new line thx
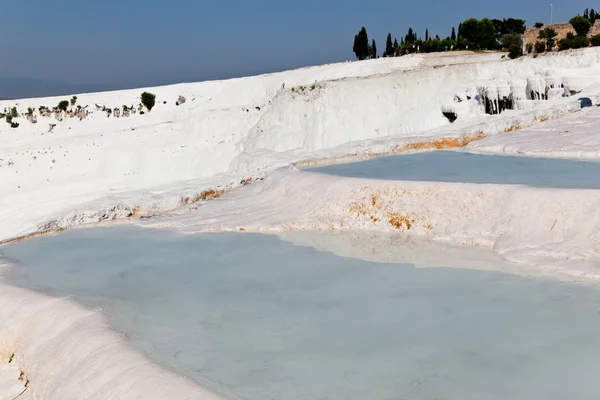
148 100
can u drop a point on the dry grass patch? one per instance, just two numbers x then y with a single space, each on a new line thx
378 207
512 128
211 194
400 221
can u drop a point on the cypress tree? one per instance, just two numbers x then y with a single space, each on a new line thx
593 16
427 35
365 42
410 36
373 50
356 47
389 47
586 14
453 35
361 44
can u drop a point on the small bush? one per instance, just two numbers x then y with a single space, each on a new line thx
514 44
29 111
573 42
14 124
176 103
540 47
579 42
63 105
595 40
13 112
529 48
125 108
539 24
564 44
73 100
142 113
148 100
164 102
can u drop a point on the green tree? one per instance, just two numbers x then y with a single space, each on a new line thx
445 44
453 35
548 35
427 35
361 44
595 40
396 43
148 100
593 16
411 37
468 31
373 50
486 36
63 105
539 25
529 48
581 25
540 47
513 42
389 46
508 26
586 14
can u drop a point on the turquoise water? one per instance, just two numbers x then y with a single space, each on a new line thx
453 166
254 317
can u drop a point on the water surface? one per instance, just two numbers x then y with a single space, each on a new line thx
254 317
456 166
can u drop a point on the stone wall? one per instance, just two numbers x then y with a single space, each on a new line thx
595 30
531 34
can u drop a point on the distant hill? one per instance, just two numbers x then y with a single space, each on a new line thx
19 88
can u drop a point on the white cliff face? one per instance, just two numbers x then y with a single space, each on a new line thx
83 164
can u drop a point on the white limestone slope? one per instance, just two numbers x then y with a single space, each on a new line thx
574 136
104 168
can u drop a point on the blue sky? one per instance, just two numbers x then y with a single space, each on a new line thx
131 42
